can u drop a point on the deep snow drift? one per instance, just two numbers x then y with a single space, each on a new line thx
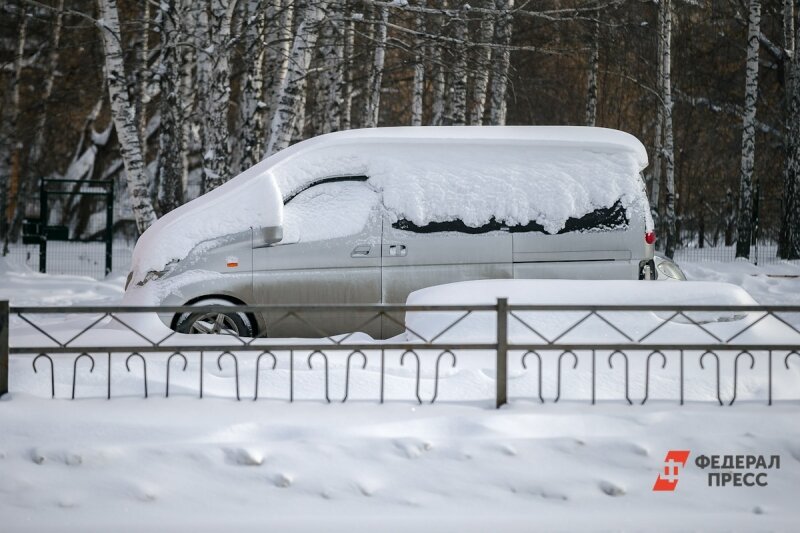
204 465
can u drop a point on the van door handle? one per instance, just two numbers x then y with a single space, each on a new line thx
362 250
397 250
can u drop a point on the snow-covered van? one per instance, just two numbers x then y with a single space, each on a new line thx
368 216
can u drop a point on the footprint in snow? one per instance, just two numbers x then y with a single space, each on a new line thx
611 489
283 481
36 456
145 493
412 449
509 450
73 459
67 503
367 487
244 457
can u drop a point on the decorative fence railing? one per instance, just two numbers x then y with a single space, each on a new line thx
625 345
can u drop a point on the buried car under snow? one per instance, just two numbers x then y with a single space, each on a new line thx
368 216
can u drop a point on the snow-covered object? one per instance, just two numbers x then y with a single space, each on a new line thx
515 174
551 324
231 208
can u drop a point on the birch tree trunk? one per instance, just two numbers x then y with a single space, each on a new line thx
331 80
373 107
789 240
418 84
501 62
658 137
669 144
290 95
11 160
439 76
591 85
347 67
745 218
204 65
251 106
216 150
144 79
171 135
458 90
188 92
483 64
124 117
276 61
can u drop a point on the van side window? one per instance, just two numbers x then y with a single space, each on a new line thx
449 225
329 210
334 179
602 219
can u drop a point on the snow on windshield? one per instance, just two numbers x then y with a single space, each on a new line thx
328 211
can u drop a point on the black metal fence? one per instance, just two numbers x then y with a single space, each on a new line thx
708 232
73 233
626 341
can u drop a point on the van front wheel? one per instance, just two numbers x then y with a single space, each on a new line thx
215 323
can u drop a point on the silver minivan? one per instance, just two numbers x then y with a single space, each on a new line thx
368 216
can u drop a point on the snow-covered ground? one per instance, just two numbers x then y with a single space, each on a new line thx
183 463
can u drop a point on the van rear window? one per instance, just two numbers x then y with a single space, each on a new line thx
603 219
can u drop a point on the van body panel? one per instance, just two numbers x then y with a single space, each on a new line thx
412 261
340 270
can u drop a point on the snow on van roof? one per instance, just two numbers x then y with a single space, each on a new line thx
551 136
514 174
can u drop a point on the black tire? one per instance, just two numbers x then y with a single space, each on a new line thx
210 323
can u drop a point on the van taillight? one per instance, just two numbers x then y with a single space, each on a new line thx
650 237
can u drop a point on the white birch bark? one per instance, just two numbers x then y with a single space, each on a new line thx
277 61
439 78
171 135
372 111
483 64
188 91
458 89
216 149
331 78
501 62
290 96
124 117
299 124
591 84
144 79
745 217
347 67
418 84
203 69
669 144
658 137
251 95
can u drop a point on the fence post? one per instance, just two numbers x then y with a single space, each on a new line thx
44 218
109 227
5 321
501 396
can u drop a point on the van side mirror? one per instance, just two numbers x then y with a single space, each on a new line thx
267 236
